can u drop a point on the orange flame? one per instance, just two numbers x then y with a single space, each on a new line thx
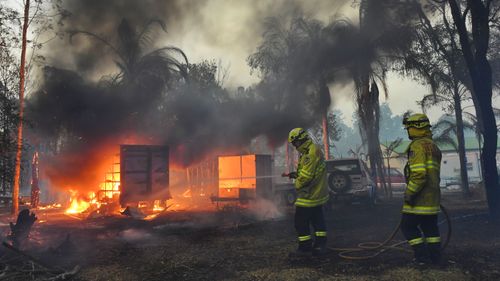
77 206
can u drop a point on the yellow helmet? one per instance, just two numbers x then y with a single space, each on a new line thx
417 120
297 135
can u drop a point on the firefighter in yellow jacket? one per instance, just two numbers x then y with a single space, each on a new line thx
422 195
312 194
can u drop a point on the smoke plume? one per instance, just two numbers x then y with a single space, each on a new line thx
96 96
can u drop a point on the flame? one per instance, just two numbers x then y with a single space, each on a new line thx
187 193
79 204
109 190
157 207
151 217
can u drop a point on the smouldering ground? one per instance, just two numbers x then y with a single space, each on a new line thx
231 246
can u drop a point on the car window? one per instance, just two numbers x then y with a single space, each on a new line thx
395 172
348 166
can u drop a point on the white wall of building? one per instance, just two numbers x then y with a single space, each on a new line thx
450 167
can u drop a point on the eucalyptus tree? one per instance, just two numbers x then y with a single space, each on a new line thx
436 59
22 76
475 41
9 79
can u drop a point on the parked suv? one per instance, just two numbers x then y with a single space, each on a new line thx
349 179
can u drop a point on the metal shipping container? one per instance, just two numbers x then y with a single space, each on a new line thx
144 173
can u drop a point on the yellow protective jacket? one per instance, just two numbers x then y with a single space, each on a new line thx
311 181
422 176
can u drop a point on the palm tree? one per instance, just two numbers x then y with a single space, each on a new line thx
136 64
452 101
378 49
472 120
446 131
144 74
310 54
290 60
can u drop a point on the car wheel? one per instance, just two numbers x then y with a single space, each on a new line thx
339 182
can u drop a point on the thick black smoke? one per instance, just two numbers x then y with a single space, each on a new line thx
81 117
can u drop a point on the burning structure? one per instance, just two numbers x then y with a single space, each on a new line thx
244 177
138 177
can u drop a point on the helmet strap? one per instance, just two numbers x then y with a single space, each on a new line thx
299 142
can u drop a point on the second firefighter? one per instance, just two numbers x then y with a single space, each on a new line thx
312 194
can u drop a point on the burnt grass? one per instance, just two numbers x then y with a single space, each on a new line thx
231 245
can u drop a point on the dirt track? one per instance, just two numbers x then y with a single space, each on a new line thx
186 246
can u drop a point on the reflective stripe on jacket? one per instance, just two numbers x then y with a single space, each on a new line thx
422 176
311 183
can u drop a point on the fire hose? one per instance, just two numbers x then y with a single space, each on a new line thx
379 247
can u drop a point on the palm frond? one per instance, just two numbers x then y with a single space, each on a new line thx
98 38
129 44
431 100
145 37
445 139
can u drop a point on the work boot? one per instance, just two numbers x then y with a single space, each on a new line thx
319 251
304 250
319 247
421 254
435 253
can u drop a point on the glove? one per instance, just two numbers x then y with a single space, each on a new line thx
292 175
409 199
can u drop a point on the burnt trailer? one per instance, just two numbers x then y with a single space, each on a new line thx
144 174
247 177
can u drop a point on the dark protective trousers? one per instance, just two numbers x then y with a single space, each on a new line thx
422 233
304 219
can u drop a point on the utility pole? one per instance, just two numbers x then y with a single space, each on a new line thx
17 171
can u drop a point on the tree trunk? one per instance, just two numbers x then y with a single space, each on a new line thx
326 136
35 188
389 181
368 111
461 144
488 159
479 69
17 171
